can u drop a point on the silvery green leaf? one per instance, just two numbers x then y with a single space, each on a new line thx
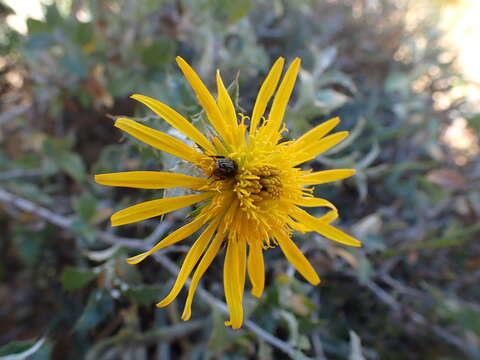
325 59
25 354
337 78
355 347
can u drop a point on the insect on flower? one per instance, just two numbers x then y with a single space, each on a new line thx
225 168
253 191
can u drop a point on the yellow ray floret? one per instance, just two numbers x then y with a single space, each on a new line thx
322 177
315 148
150 180
225 105
149 209
206 100
256 268
275 118
315 134
193 255
177 121
297 259
264 95
231 285
178 235
325 229
252 193
197 275
159 140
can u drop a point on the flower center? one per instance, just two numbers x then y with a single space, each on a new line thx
256 185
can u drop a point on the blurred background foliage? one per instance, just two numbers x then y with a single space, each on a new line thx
411 292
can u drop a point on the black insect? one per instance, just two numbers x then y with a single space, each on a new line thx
225 168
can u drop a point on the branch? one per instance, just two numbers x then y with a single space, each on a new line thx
14 174
126 338
28 206
416 317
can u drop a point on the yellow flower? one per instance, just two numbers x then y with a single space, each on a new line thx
252 191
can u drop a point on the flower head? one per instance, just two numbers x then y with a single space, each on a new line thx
253 191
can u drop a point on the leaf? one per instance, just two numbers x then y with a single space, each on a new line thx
72 164
219 335
29 244
20 350
292 324
265 351
355 347
102 255
74 64
237 10
329 100
474 122
314 101
369 225
397 82
29 250
325 59
35 26
59 150
159 53
53 17
99 306
337 78
85 206
74 278
85 230
365 270
41 41
83 33
145 294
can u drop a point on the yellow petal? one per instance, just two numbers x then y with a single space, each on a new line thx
176 236
158 140
202 267
227 109
149 180
297 259
316 133
329 216
205 98
266 91
321 177
176 120
138 258
256 269
242 265
153 208
297 226
325 229
281 99
315 202
190 261
311 151
231 285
